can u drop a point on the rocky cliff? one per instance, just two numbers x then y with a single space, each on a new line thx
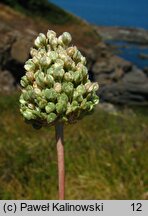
120 81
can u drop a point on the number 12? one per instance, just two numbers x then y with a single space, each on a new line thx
136 206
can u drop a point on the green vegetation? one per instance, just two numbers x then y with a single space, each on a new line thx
106 156
43 9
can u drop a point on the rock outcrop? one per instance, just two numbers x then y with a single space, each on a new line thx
132 35
120 81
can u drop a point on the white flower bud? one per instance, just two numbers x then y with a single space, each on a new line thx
50 35
35 60
71 51
89 87
37 91
57 87
95 86
31 106
33 52
54 42
60 40
66 37
30 76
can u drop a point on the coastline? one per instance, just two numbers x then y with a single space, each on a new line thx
126 42
127 34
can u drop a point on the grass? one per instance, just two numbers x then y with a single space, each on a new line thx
106 156
43 9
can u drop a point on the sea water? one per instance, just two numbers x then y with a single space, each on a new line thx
126 13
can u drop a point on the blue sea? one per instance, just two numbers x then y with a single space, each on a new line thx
126 13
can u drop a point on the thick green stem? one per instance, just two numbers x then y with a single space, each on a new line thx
60 156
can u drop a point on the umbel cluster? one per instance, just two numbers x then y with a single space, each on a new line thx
56 86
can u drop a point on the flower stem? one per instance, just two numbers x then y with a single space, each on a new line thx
60 156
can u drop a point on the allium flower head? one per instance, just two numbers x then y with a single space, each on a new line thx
56 86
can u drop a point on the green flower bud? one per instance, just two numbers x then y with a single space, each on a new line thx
87 105
26 96
22 101
77 77
50 70
80 98
77 96
40 40
28 114
49 80
90 105
68 88
23 108
53 55
83 60
24 81
42 103
42 61
60 62
50 107
64 119
74 105
81 89
95 99
50 94
58 74
37 112
61 107
43 116
29 65
57 66
51 117
29 87
63 97
40 80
